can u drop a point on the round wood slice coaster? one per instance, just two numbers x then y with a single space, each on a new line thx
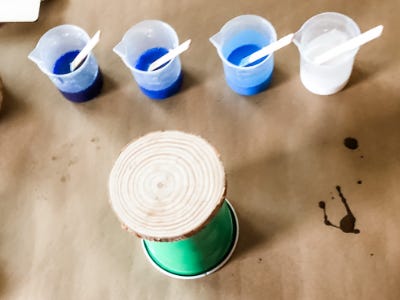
167 185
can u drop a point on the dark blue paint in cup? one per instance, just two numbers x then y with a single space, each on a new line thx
62 66
53 54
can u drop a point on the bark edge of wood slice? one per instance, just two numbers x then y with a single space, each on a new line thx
1 93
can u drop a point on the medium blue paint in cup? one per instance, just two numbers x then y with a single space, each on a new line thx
53 54
239 38
143 44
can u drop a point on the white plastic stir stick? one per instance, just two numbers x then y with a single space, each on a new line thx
85 51
350 44
170 55
286 40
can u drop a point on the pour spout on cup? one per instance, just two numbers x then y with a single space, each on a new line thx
121 51
297 38
216 40
35 56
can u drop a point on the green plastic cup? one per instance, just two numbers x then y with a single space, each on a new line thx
168 188
201 254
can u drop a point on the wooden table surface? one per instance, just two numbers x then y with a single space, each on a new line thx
282 149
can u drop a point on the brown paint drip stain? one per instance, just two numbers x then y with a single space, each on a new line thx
348 222
64 178
351 143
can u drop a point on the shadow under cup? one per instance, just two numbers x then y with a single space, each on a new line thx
201 254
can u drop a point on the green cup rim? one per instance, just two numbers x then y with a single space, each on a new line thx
214 269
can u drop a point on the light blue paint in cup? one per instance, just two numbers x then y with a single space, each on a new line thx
138 42
238 38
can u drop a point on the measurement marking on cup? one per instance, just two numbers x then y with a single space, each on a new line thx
348 222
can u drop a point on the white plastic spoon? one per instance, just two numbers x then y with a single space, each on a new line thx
350 45
286 40
85 51
170 55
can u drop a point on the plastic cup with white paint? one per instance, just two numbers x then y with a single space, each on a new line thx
317 35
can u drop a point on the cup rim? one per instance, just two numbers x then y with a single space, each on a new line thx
226 25
349 55
84 63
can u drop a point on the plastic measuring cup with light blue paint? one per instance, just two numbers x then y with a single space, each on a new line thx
237 39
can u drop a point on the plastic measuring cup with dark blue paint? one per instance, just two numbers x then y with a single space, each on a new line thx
237 39
54 53
143 44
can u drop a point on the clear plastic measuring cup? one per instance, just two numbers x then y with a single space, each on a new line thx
53 54
238 38
141 45
317 35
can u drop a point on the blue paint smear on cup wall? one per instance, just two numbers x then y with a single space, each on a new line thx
143 63
62 66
